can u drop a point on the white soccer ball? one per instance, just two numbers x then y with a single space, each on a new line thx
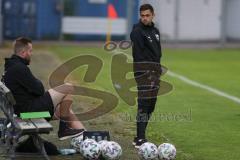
148 151
102 143
111 150
90 149
76 143
167 151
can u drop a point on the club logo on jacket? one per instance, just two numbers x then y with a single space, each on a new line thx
157 37
149 38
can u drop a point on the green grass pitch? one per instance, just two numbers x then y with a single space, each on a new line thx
201 124
210 130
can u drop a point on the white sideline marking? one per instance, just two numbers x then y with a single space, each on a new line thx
199 85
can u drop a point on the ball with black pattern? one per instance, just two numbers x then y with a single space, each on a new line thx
90 149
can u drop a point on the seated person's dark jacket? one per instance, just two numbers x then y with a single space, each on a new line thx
22 83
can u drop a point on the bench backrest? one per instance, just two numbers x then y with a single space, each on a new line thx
4 91
6 102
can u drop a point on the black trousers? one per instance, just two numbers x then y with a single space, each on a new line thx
147 97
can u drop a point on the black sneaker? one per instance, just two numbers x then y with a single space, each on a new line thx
69 133
134 141
65 132
139 142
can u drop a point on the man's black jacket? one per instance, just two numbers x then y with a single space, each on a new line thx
146 43
20 80
146 49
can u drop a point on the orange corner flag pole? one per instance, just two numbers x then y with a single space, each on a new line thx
112 14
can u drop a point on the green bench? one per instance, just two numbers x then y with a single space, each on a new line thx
13 128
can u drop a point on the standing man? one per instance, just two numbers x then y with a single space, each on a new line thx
146 53
30 95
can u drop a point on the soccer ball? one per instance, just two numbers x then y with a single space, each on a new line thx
111 150
90 149
167 151
76 143
102 143
148 151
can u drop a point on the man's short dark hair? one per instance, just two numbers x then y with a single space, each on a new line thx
20 44
145 7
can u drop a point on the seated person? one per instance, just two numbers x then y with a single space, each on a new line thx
29 92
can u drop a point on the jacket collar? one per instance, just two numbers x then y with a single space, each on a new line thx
146 27
24 61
